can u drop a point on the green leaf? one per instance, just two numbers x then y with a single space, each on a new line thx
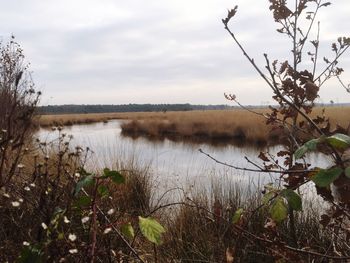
237 216
312 144
83 201
308 146
151 229
278 210
300 152
347 172
293 199
325 177
267 197
86 181
114 175
128 230
339 141
103 191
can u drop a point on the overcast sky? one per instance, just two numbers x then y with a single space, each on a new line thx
155 51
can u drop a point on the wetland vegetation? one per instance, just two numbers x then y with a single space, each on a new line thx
55 206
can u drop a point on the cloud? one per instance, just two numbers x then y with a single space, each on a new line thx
151 51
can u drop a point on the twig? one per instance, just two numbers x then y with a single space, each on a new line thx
253 170
275 89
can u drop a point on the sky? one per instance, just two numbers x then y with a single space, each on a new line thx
157 51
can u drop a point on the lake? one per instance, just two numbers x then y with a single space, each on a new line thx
173 164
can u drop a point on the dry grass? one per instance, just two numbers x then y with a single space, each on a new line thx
214 125
203 232
206 125
71 119
222 125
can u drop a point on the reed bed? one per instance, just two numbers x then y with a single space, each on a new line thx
237 125
226 125
73 119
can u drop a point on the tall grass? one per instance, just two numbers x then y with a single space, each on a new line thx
226 125
200 125
201 229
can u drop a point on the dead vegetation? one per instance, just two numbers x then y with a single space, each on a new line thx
234 126
226 125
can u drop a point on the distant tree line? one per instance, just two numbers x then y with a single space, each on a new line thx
71 109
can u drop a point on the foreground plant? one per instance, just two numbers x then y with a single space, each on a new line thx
51 208
18 101
295 86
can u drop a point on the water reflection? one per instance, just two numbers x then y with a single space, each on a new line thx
174 163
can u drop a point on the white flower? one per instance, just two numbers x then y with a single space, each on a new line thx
66 220
85 219
72 237
25 243
15 204
32 184
73 251
20 166
20 200
77 175
27 188
110 211
44 226
6 195
107 230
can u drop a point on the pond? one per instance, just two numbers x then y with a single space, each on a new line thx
171 163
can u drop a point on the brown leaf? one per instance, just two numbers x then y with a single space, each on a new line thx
282 153
231 13
311 90
263 157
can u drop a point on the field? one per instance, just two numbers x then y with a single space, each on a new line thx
215 125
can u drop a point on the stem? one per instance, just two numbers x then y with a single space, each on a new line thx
94 225
316 52
275 89
331 64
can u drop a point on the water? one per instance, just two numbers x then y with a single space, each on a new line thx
173 164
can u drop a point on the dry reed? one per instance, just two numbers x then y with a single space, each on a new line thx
225 125
215 125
